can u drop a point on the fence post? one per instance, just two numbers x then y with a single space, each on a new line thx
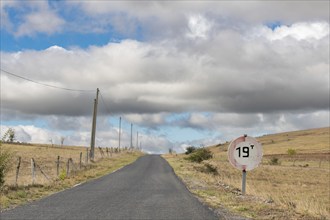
87 155
80 160
33 170
68 168
17 170
58 166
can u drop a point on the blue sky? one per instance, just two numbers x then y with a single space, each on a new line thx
42 41
184 73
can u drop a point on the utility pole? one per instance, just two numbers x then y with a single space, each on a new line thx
137 140
94 125
119 132
131 146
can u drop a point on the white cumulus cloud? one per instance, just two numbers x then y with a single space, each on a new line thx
40 22
299 31
198 27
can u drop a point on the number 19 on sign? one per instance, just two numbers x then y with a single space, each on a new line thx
244 150
245 154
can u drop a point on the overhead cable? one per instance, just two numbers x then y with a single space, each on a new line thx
44 84
105 105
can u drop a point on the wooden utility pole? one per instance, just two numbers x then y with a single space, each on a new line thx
131 136
137 140
94 125
119 132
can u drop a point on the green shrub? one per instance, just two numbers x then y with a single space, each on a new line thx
209 168
190 149
291 152
62 175
21 194
5 164
274 161
200 154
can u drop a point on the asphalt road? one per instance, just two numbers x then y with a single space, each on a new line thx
145 189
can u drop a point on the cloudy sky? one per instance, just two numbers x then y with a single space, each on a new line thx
183 73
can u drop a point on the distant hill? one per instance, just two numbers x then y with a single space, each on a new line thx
312 141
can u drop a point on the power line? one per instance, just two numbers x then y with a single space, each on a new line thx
105 105
44 84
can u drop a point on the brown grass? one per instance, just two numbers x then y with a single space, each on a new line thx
46 156
297 188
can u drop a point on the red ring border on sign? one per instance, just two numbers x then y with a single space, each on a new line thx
232 149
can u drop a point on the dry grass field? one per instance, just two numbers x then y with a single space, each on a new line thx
283 187
45 157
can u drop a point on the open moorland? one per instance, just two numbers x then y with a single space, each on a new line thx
56 168
292 181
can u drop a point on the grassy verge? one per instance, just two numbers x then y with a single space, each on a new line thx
12 195
296 187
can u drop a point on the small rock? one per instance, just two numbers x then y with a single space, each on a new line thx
269 201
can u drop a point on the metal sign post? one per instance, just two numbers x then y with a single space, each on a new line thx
243 182
245 154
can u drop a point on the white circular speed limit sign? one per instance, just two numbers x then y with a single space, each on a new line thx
245 153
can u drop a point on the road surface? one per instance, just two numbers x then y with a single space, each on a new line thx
145 189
